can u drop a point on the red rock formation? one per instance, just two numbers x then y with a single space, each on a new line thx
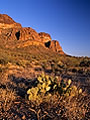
8 22
45 37
54 46
12 33
20 34
29 34
6 19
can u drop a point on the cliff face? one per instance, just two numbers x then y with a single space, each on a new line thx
12 32
55 46
45 37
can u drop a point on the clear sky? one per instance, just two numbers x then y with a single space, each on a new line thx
67 21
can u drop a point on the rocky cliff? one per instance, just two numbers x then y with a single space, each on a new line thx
55 46
45 37
8 22
12 33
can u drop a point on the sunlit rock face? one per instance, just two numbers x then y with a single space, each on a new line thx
45 37
10 30
12 34
54 46
8 22
6 19
29 34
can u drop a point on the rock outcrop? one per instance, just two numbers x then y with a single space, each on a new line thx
29 34
8 22
45 37
55 46
12 33
19 34
6 19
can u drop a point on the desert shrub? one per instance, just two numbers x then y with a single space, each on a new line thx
74 70
48 86
22 63
85 63
60 64
88 63
0 69
88 72
6 98
80 71
3 61
61 96
56 68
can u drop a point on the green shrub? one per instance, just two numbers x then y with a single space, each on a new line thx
48 86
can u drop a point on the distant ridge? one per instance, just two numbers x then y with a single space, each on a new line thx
12 32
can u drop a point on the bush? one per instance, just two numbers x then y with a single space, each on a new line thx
3 61
85 63
74 70
48 86
61 97
6 98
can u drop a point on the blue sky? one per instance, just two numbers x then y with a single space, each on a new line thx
67 21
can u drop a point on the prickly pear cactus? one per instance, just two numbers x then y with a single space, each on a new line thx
48 86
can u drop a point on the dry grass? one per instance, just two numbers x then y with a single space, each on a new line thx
6 98
58 108
26 61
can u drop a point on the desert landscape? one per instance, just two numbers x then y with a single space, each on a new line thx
38 80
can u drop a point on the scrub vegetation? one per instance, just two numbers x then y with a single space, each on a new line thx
39 84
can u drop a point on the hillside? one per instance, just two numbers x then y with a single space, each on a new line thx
27 57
